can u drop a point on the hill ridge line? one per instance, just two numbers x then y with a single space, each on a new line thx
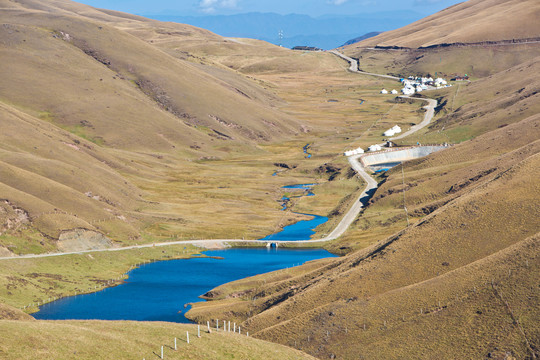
508 42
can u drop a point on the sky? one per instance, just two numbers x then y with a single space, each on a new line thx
308 7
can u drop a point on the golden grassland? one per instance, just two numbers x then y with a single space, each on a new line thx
462 199
120 148
467 22
130 340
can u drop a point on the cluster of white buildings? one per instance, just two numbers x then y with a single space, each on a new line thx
390 132
354 152
359 151
413 84
393 131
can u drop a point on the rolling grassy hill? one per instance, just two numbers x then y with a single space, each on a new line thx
25 338
459 282
102 129
471 21
120 129
478 38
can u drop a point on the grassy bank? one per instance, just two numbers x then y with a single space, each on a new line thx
130 340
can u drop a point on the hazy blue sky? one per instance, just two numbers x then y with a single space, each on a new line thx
309 7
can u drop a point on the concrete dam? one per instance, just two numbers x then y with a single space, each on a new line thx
386 159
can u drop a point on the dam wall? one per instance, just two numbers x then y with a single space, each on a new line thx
398 155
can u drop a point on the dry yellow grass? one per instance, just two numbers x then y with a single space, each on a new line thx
129 340
153 179
466 202
467 22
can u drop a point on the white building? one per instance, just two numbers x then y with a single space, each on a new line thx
390 132
440 82
384 91
396 129
375 148
408 90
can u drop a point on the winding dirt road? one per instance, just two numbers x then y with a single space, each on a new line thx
339 230
354 66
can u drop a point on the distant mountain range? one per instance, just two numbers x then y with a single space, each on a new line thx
326 32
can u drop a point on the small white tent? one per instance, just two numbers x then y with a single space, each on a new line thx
394 92
375 148
384 91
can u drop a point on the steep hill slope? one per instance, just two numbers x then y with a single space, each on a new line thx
476 37
459 281
101 127
472 21
148 81
433 275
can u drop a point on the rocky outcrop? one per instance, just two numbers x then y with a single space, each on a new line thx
5 252
82 239
11 217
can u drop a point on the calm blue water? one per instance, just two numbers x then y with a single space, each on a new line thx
306 187
384 166
302 230
158 291
299 186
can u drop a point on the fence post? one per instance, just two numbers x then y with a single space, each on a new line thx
234 328
187 336
217 325
198 330
162 352
175 347
239 331
208 325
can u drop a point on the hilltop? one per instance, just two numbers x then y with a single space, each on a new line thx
473 21
478 38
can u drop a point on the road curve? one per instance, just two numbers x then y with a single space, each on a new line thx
339 230
357 206
430 112
354 66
